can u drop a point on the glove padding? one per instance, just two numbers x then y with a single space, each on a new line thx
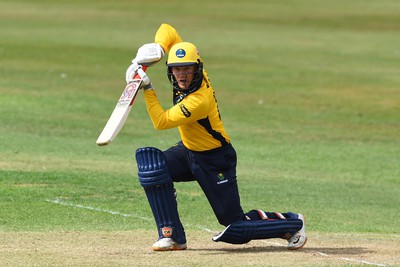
146 82
149 54
131 72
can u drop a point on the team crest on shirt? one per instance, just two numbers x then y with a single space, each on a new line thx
185 111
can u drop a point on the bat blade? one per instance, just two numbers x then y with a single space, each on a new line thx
120 113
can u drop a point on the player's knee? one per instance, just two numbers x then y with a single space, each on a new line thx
227 218
152 167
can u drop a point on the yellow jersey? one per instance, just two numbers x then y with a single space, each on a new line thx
196 115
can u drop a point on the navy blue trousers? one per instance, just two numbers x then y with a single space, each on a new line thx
215 172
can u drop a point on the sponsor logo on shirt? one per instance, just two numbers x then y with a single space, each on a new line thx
185 111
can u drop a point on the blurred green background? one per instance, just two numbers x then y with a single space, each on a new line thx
308 90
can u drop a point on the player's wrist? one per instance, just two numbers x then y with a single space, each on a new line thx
148 87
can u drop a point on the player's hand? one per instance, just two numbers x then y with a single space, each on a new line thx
131 72
146 82
149 54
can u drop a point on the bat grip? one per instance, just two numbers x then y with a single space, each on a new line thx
144 68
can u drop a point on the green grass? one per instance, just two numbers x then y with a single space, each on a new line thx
309 92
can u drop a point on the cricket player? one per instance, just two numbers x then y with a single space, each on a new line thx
203 154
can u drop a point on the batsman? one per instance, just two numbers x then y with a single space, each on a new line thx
204 153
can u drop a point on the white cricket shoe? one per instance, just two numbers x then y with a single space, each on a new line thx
299 239
167 244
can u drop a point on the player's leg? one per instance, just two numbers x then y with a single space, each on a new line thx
216 174
215 171
296 240
155 178
263 225
177 158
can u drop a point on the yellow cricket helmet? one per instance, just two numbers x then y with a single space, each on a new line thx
183 54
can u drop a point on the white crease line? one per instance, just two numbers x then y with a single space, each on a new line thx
362 261
323 254
202 228
60 202
57 201
327 255
354 260
273 243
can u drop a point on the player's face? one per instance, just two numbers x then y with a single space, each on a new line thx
184 75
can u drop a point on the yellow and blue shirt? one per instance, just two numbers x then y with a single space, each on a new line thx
196 116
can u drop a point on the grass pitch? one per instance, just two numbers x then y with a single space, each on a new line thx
309 93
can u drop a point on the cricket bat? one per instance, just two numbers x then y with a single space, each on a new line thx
121 111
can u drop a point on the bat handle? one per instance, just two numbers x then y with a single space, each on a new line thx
144 68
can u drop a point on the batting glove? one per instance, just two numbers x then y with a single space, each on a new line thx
146 82
131 72
149 54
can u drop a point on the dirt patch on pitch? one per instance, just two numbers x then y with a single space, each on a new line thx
133 248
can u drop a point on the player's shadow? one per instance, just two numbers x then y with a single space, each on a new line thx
273 249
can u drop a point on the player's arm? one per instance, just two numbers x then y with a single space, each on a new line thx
167 36
149 54
187 111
